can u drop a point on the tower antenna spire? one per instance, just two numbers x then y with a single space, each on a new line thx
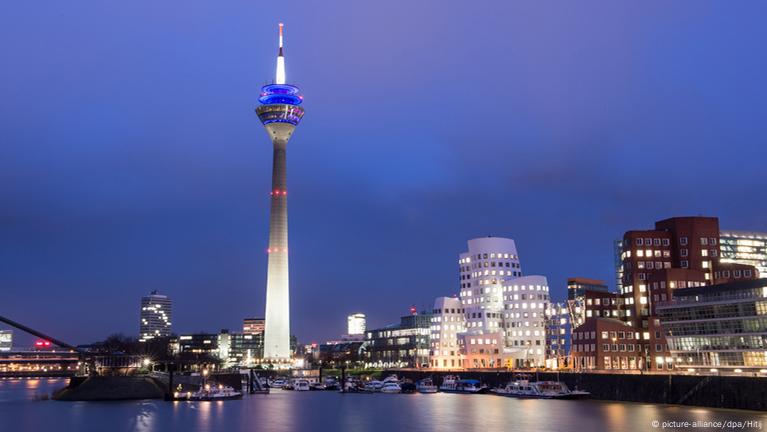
280 75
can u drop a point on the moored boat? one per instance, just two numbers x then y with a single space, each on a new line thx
426 385
453 384
391 379
301 385
391 387
210 393
525 389
373 386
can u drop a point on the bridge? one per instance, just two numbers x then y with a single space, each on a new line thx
68 362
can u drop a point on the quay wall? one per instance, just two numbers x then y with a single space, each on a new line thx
110 388
735 392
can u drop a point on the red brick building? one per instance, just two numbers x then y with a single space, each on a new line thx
609 344
680 252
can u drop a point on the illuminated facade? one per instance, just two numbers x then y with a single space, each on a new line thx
402 345
505 312
745 247
39 363
718 326
447 322
558 330
280 112
6 340
489 262
607 344
355 324
587 298
253 326
156 316
680 252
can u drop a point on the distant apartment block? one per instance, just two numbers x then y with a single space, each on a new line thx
355 324
155 317
6 340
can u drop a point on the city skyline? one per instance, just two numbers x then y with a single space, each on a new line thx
134 164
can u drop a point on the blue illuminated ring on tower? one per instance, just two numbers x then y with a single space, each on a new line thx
280 94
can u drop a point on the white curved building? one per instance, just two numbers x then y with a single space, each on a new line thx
489 262
504 312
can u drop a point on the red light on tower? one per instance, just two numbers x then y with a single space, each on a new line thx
413 310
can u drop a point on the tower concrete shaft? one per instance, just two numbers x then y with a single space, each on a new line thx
277 325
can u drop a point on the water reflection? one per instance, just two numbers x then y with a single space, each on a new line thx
319 411
144 419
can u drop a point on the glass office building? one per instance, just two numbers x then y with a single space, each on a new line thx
718 326
745 247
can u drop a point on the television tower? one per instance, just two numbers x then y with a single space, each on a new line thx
280 112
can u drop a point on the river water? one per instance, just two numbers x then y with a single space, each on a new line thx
22 410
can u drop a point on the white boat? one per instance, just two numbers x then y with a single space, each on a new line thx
373 386
525 389
210 393
454 384
391 387
301 385
426 385
391 379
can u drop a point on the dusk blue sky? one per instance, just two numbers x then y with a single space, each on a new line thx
131 158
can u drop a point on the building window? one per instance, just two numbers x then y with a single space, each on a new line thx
683 241
666 242
685 264
704 241
683 252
